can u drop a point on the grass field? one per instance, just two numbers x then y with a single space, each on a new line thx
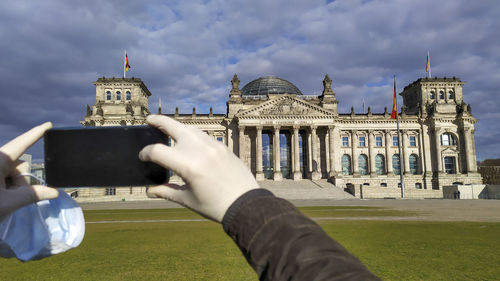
200 250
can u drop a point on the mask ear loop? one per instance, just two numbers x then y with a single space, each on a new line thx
42 181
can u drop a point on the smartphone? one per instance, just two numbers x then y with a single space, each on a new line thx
101 157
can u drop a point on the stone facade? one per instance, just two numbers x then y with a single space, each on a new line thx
280 133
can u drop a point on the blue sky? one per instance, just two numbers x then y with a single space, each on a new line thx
187 52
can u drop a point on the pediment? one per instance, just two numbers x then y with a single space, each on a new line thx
284 106
449 150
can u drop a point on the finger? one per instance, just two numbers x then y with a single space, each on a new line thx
167 125
165 156
16 147
43 192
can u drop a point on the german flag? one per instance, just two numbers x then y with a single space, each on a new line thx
395 104
427 64
127 65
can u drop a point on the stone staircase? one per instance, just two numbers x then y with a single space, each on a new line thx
305 189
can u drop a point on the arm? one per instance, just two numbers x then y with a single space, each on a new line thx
277 240
280 243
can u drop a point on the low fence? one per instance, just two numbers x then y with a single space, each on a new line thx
369 192
473 191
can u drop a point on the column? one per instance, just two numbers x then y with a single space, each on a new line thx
297 175
354 153
241 143
406 157
420 154
388 155
472 153
315 164
277 157
371 151
259 173
426 150
326 155
309 157
437 136
331 133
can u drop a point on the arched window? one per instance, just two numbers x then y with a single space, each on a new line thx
396 165
447 139
441 95
432 95
380 164
363 164
449 165
128 95
413 164
346 164
118 95
450 95
108 95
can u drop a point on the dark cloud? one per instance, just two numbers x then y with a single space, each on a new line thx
187 51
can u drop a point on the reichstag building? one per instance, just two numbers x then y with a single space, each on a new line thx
280 133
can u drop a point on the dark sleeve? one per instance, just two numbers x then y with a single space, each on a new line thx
280 243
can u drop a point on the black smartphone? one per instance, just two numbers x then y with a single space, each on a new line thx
101 156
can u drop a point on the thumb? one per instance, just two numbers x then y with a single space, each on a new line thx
173 192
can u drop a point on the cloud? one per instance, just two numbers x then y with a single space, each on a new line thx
187 51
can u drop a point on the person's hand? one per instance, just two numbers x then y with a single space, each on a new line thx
214 176
15 191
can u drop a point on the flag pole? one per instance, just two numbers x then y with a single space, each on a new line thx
124 63
401 178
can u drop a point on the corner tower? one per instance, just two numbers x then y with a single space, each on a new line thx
448 126
119 102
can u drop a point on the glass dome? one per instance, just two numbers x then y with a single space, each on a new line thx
269 85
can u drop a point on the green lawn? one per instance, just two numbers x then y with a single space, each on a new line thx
200 250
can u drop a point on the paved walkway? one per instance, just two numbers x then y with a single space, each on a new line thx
425 209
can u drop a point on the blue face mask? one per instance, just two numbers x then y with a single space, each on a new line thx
42 229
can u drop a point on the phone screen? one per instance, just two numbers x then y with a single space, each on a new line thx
101 156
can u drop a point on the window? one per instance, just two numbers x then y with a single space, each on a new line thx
396 165
447 139
118 95
110 191
378 141
345 141
363 164
384 184
413 164
220 139
418 185
413 141
449 165
395 141
450 95
380 164
108 95
441 95
432 95
128 95
346 164
362 141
